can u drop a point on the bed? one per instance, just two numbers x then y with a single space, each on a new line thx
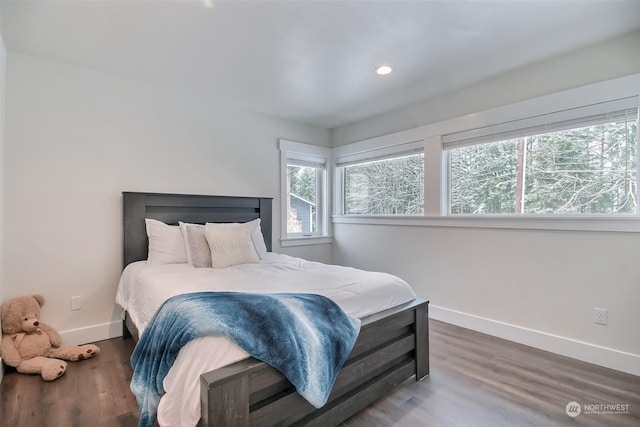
392 346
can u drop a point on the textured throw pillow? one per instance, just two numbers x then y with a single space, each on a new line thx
230 244
166 245
195 242
256 233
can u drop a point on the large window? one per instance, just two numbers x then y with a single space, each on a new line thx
583 165
304 186
563 161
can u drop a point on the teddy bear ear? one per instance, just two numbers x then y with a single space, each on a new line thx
38 298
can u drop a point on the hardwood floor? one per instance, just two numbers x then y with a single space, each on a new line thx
479 380
476 380
93 392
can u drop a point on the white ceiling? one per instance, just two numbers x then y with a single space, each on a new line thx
311 61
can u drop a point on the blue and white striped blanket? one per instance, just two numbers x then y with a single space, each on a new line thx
307 337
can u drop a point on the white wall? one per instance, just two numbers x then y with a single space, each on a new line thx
75 139
3 57
540 282
535 287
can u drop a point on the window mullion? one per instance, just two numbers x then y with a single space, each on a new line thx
433 179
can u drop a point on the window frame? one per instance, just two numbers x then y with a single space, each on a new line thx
298 151
437 172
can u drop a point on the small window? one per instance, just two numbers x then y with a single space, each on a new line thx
585 165
304 184
392 185
304 194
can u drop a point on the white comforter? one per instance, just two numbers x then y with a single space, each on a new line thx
143 288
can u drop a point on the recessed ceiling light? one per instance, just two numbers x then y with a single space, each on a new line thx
383 70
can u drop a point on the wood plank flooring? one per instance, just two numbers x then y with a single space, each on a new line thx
476 380
479 380
93 392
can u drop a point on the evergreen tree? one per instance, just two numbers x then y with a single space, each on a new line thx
587 170
385 187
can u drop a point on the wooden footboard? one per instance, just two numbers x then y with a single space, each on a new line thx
392 346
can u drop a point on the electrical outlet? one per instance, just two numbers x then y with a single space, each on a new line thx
76 303
600 316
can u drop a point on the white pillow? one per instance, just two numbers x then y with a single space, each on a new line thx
230 244
196 245
166 245
254 229
257 237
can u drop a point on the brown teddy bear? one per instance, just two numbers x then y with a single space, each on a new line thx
32 346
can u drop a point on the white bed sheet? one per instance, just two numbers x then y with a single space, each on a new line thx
143 288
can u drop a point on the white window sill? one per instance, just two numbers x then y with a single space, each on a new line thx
303 241
626 223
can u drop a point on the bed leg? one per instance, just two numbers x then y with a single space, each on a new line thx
422 341
125 331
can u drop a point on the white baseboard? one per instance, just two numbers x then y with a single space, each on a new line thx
92 334
602 356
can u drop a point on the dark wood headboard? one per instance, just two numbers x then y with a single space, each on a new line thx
171 208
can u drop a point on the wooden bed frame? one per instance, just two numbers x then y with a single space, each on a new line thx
392 347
